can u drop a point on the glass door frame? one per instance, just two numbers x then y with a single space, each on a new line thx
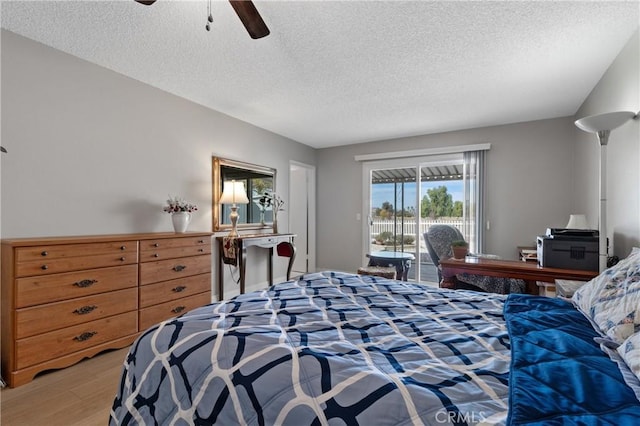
417 163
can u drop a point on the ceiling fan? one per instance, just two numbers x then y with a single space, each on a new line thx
246 11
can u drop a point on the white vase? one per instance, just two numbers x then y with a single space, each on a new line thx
180 221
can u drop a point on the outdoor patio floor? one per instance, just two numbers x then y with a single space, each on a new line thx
428 273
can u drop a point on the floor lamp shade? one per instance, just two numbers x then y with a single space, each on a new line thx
602 122
601 125
233 193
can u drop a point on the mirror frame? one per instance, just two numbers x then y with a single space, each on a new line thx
218 163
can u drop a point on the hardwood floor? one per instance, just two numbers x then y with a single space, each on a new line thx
80 395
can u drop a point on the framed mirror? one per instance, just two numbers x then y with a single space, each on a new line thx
256 179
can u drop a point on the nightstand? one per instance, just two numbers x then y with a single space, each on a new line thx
566 288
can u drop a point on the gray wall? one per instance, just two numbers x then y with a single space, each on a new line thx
529 182
538 173
618 90
94 152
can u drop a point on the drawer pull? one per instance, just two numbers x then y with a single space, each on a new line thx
123 247
44 253
85 309
122 259
85 283
201 241
200 250
179 289
178 309
85 336
179 268
44 267
156 245
156 255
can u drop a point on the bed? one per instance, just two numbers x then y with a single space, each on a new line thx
337 348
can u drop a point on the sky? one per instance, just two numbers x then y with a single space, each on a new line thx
384 192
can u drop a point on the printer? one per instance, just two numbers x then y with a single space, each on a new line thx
569 249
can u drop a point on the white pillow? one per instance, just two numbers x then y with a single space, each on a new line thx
629 350
612 299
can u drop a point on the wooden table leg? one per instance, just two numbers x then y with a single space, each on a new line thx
270 266
532 287
220 272
242 265
448 280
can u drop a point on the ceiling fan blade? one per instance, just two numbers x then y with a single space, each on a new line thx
250 18
146 2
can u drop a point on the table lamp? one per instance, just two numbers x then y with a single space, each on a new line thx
577 221
233 193
601 125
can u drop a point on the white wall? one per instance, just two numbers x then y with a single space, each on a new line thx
618 90
529 181
94 152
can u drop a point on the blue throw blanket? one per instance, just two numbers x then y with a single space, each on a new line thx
559 374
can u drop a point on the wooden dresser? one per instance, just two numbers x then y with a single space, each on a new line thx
68 298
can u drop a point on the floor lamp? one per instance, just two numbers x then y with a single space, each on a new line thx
601 125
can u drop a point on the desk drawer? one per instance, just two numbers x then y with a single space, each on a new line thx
53 316
158 313
165 270
53 288
55 344
165 291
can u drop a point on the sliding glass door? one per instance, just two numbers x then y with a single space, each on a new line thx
404 197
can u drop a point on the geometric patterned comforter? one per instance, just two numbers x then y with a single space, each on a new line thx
330 348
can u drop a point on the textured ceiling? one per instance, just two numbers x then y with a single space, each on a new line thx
341 72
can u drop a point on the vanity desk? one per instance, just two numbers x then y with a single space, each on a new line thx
265 241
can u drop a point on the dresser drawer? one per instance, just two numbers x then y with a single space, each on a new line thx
53 288
53 316
164 291
165 270
55 344
153 250
40 260
158 313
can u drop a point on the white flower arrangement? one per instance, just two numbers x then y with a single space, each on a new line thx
175 205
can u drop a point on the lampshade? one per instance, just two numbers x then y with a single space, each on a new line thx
234 193
599 122
577 221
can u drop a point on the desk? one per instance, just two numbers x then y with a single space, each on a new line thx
265 241
527 271
399 259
